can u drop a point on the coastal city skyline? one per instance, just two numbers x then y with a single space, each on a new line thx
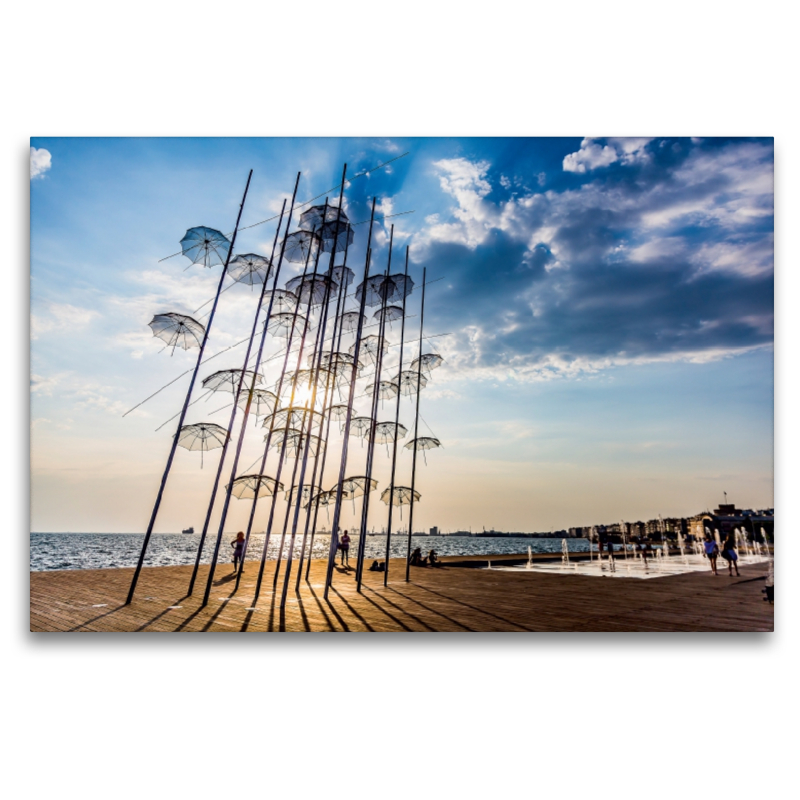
604 309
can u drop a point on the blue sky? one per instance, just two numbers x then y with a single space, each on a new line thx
609 305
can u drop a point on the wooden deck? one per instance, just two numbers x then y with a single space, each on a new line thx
451 599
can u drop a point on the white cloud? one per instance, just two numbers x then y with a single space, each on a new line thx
61 317
593 155
41 161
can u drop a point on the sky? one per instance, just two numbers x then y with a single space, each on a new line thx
604 308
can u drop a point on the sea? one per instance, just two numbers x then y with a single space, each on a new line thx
51 551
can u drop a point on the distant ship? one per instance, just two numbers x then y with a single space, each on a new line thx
188 530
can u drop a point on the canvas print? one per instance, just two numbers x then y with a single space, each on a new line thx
401 384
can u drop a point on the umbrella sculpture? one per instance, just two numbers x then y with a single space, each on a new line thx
389 313
341 275
423 443
246 487
263 401
409 380
360 426
386 432
228 380
386 390
326 499
315 216
286 324
336 236
281 300
311 289
399 496
308 492
205 246
299 246
350 320
250 269
202 436
429 361
295 442
383 289
292 417
356 486
370 345
338 412
178 330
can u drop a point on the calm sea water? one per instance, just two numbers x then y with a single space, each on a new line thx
101 550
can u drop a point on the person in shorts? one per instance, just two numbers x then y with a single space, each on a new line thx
238 550
711 551
344 549
729 554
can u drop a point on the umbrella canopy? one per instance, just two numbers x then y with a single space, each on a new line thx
423 443
370 345
281 300
292 417
342 275
386 432
228 380
202 436
410 380
386 390
295 442
314 217
399 496
250 269
308 492
350 321
178 330
263 402
389 314
284 324
360 426
383 289
429 361
336 236
312 289
356 486
205 246
299 246
250 486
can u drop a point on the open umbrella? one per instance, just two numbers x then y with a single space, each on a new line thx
205 246
250 269
250 486
399 496
202 436
178 330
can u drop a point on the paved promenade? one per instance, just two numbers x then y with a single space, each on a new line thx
450 599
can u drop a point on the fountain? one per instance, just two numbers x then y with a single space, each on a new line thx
766 542
682 548
530 558
564 553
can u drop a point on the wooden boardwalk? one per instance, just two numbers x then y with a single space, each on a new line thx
451 599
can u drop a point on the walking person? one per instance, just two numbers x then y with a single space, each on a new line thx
711 551
238 550
729 554
344 547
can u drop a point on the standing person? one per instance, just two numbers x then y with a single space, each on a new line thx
344 545
729 554
238 550
711 552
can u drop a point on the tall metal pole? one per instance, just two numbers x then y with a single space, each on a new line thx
346 431
362 542
396 423
416 430
171 456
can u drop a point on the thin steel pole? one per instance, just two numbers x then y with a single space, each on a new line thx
362 542
346 432
171 456
416 431
396 423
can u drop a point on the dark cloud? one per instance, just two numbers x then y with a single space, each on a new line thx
670 256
